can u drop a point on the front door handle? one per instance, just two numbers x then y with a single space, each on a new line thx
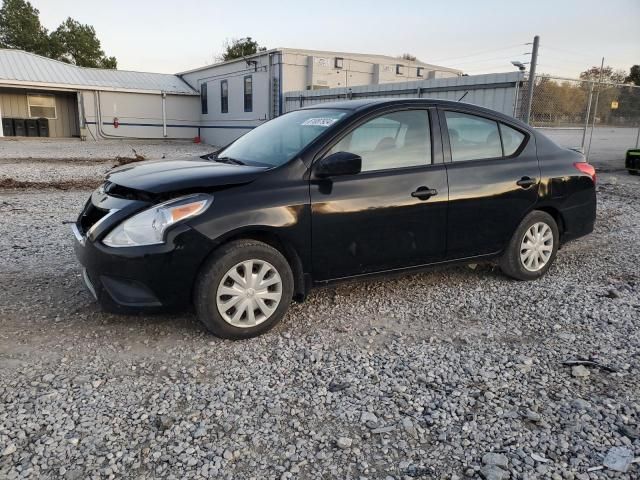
526 182
424 193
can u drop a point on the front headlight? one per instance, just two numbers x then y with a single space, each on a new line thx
149 226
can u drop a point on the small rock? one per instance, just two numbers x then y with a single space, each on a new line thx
48 378
11 448
618 459
532 416
495 459
580 371
630 433
493 472
344 442
579 404
368 418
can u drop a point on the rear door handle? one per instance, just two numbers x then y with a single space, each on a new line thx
424 193
526 182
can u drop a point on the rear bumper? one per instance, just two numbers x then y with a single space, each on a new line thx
150 277
579 220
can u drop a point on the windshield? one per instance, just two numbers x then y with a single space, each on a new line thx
279 140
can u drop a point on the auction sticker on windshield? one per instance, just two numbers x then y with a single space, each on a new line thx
320 122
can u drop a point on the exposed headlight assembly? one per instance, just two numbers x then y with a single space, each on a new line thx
149 226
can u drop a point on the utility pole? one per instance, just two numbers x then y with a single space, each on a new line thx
532 77
595 109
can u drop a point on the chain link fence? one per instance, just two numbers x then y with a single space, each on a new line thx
603 119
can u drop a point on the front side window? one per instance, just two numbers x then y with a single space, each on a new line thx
472 137
511 139
394 140
224 96
42 106
248 93
203 99
279 140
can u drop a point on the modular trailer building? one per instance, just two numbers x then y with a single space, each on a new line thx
217 103
91 102
238 95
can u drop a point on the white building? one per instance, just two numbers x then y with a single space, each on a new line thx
240 94
218 103
91 102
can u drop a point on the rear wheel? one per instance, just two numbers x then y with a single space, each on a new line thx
532 248
244 290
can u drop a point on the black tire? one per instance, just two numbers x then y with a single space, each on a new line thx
633 172
214 271
511 263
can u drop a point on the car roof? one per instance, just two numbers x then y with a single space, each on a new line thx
369 103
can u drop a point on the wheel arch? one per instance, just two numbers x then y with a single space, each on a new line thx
555 214
273 239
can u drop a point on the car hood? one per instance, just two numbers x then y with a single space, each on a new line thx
163 176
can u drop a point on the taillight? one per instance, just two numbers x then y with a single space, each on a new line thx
587 168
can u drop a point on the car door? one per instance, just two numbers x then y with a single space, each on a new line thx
393 213
493 180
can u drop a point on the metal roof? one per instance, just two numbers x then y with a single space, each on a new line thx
18 67
354 56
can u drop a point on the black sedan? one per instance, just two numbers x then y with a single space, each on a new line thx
327 193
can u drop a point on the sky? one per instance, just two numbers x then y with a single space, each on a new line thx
474 36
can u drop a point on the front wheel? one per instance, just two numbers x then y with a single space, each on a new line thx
532 248
243 290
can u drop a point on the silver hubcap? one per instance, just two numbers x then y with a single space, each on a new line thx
536 247
249 293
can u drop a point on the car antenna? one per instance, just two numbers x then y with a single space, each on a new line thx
465 94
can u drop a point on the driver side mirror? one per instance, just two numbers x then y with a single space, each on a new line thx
339 163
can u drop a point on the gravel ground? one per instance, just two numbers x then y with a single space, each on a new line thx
448 374
52 161
75 149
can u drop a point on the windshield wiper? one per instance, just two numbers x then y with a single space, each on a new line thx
229 160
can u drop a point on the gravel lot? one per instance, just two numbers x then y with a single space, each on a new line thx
449 374
70 160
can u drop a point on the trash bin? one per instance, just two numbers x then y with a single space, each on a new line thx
32 127
632 161
7 127
43 127
19 127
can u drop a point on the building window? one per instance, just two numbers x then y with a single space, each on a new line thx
399 69
248 93
224 96
42 106
203 99
420 71
339 62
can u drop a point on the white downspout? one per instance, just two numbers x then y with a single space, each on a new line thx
164 115
1 129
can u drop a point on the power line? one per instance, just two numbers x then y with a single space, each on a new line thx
446 60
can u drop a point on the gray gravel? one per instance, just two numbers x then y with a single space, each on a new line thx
63 160
449 374
75 149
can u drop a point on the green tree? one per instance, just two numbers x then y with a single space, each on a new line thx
609 75
20 28
71 42
75 43
242 47
634 75
408 56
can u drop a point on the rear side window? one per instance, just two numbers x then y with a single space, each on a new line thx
472 137
394 140
511 139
